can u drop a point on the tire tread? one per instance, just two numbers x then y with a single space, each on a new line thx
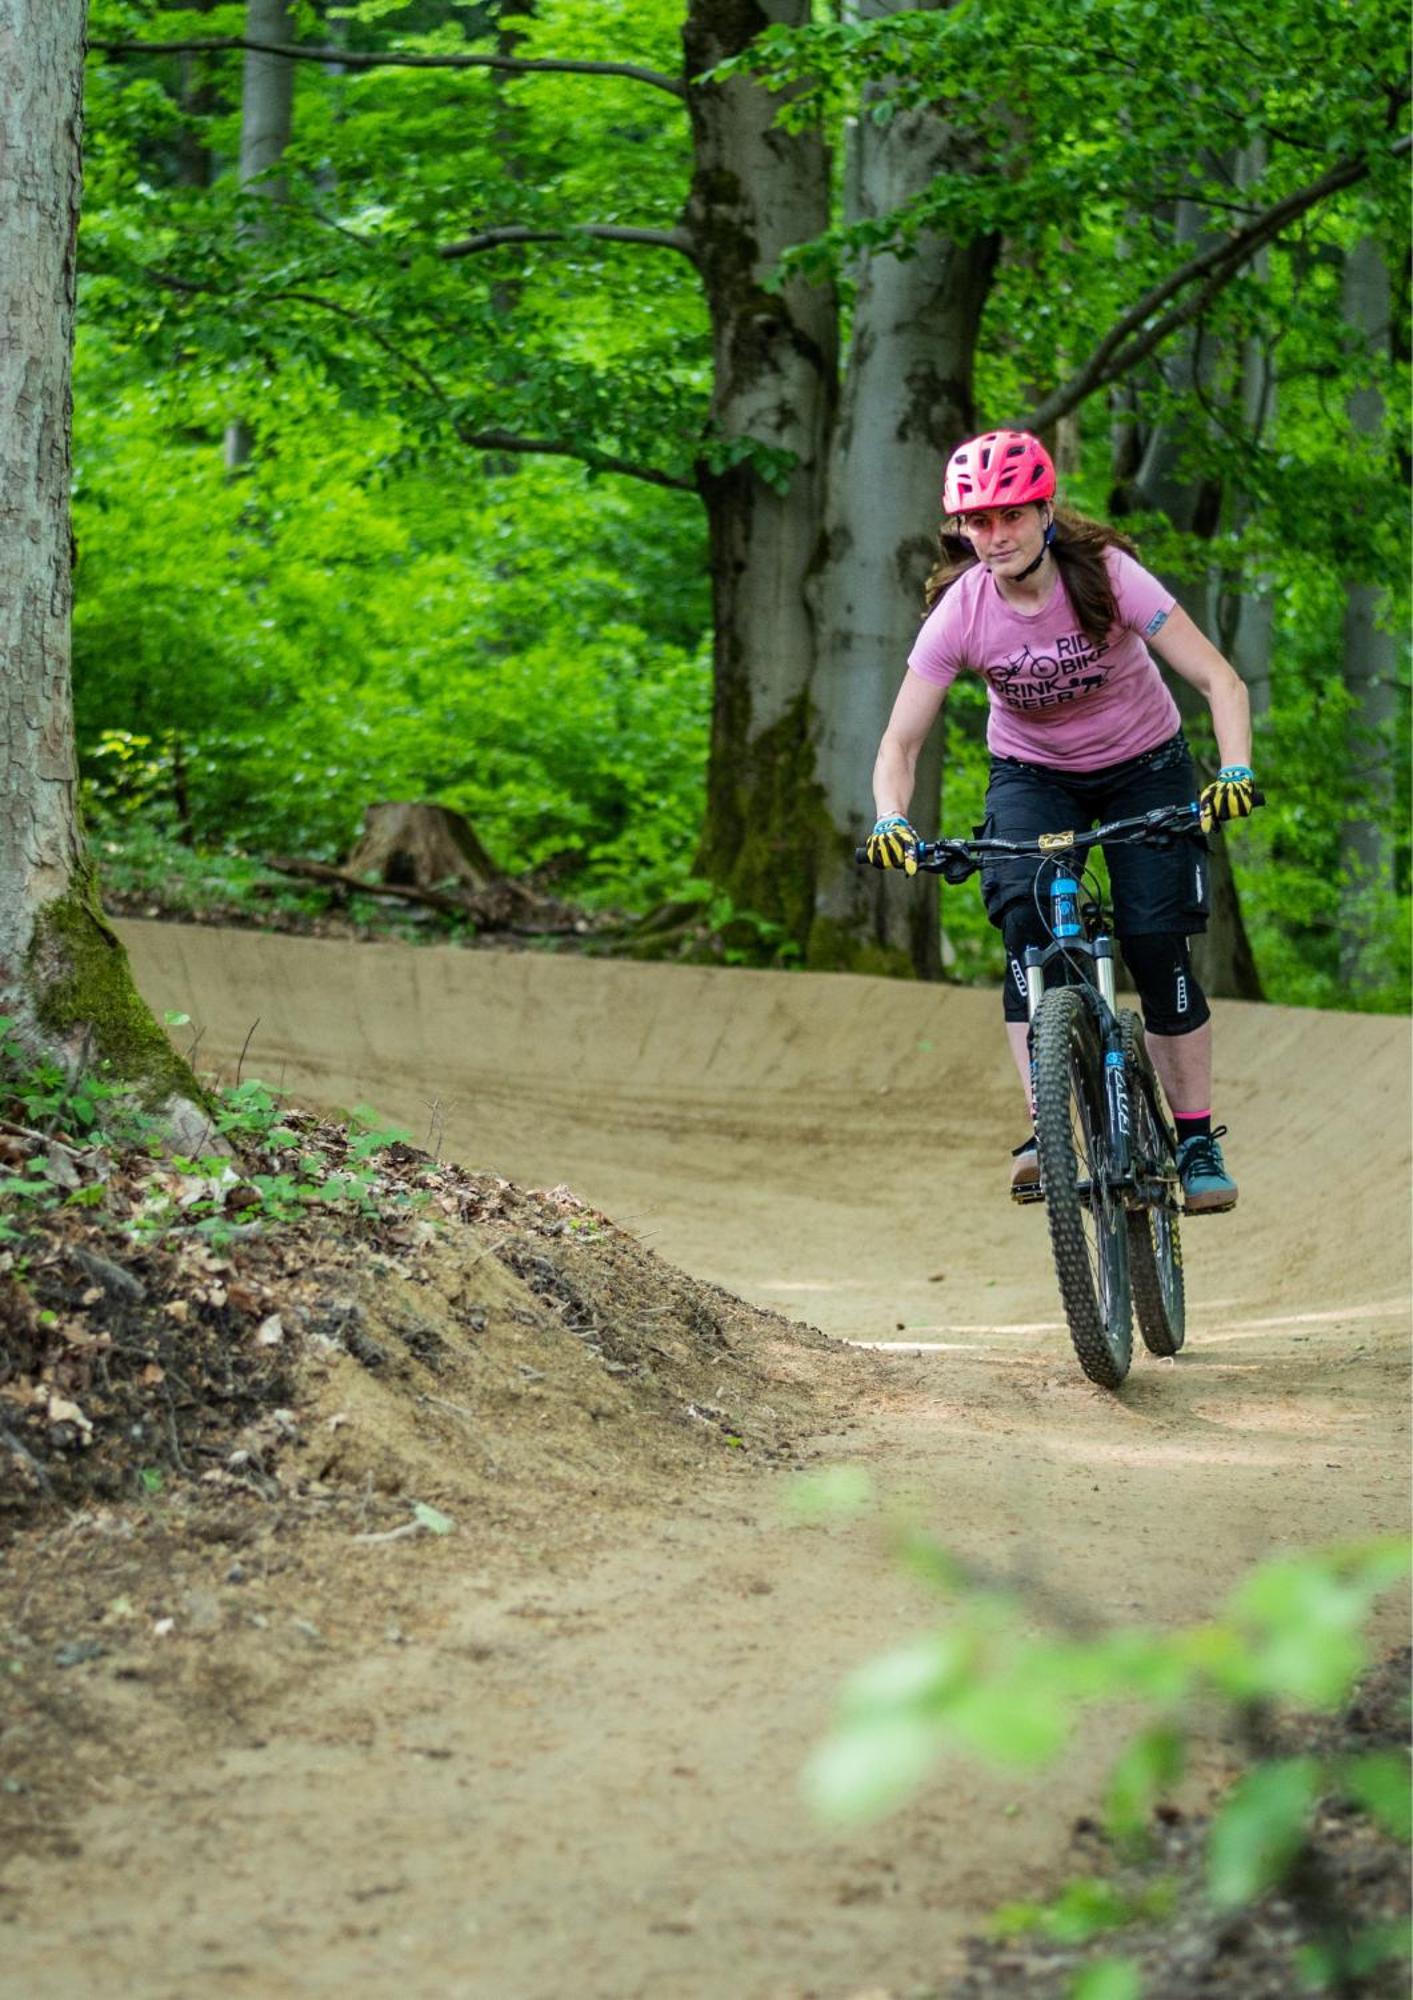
1062 1029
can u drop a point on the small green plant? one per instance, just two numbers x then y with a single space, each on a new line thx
368 1135
212 1195
1293 1635
51 1099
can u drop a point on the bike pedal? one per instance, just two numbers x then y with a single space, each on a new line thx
1024 1197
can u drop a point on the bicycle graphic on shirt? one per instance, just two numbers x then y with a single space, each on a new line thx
1028 680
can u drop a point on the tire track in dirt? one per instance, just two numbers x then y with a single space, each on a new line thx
582 1781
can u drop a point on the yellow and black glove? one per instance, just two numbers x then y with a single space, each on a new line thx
1231 795
893 844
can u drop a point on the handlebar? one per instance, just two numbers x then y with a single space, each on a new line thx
956 859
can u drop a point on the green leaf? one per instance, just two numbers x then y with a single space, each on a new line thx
1358 1956
867 1768
1015 1724
835 1494
1086 1907
432 1518
1150 1765
1378 1781
1111 1979
1258 1831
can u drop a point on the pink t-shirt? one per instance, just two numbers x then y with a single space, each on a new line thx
1055 698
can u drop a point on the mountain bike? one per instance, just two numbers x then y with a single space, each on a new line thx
1108 1156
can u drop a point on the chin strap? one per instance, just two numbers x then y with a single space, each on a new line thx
1030 568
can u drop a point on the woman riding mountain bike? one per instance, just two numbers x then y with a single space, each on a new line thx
1057 615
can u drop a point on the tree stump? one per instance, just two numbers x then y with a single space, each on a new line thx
414 846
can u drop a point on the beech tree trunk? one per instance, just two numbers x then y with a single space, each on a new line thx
1222 956
1244 609
266 121
1370 648
818 561
64 979
755 191
906 402
197 100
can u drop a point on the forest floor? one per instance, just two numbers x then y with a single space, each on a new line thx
462 1640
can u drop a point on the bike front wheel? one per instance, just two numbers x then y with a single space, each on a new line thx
1088 1224
1154 1242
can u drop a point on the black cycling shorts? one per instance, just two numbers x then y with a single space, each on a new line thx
1155 889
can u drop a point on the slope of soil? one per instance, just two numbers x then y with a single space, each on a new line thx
556 1750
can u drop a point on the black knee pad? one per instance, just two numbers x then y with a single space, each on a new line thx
1161 965
1020 925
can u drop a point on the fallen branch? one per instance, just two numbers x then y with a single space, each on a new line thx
339 878
494 908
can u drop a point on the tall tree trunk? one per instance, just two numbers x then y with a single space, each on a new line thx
755 191
1222 956
266 120
906 401
1370 649
1244 607
197 99
64 979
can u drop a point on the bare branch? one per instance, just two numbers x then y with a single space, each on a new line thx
1135 336
397 59
607 232
510 441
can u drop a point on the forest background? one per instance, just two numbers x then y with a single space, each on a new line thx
481 406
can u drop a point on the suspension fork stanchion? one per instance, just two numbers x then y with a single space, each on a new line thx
1115 1065
1034 980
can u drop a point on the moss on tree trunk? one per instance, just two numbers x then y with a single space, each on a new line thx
85 1003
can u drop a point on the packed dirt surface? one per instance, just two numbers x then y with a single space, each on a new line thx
555 1752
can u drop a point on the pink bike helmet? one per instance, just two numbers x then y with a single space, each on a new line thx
998 469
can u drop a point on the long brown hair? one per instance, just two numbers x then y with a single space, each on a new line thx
1078 549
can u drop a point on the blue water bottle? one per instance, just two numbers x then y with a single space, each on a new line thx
1064 907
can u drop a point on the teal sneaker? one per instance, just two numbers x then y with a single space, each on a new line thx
1208 1189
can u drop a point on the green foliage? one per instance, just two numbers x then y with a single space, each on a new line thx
58 1102
1113 1979
388 601
1085 1908
1260 1829
522 660
269 1176
1294 1633
372 609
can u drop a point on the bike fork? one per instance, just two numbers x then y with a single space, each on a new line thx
1115 1066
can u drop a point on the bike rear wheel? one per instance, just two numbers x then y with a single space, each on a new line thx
1154 1241
1088 1226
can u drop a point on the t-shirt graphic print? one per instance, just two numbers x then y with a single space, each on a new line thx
1044 680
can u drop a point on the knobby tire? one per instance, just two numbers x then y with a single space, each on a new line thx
1088 1229
1154 1240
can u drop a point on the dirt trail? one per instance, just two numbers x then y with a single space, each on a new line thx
578 1778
